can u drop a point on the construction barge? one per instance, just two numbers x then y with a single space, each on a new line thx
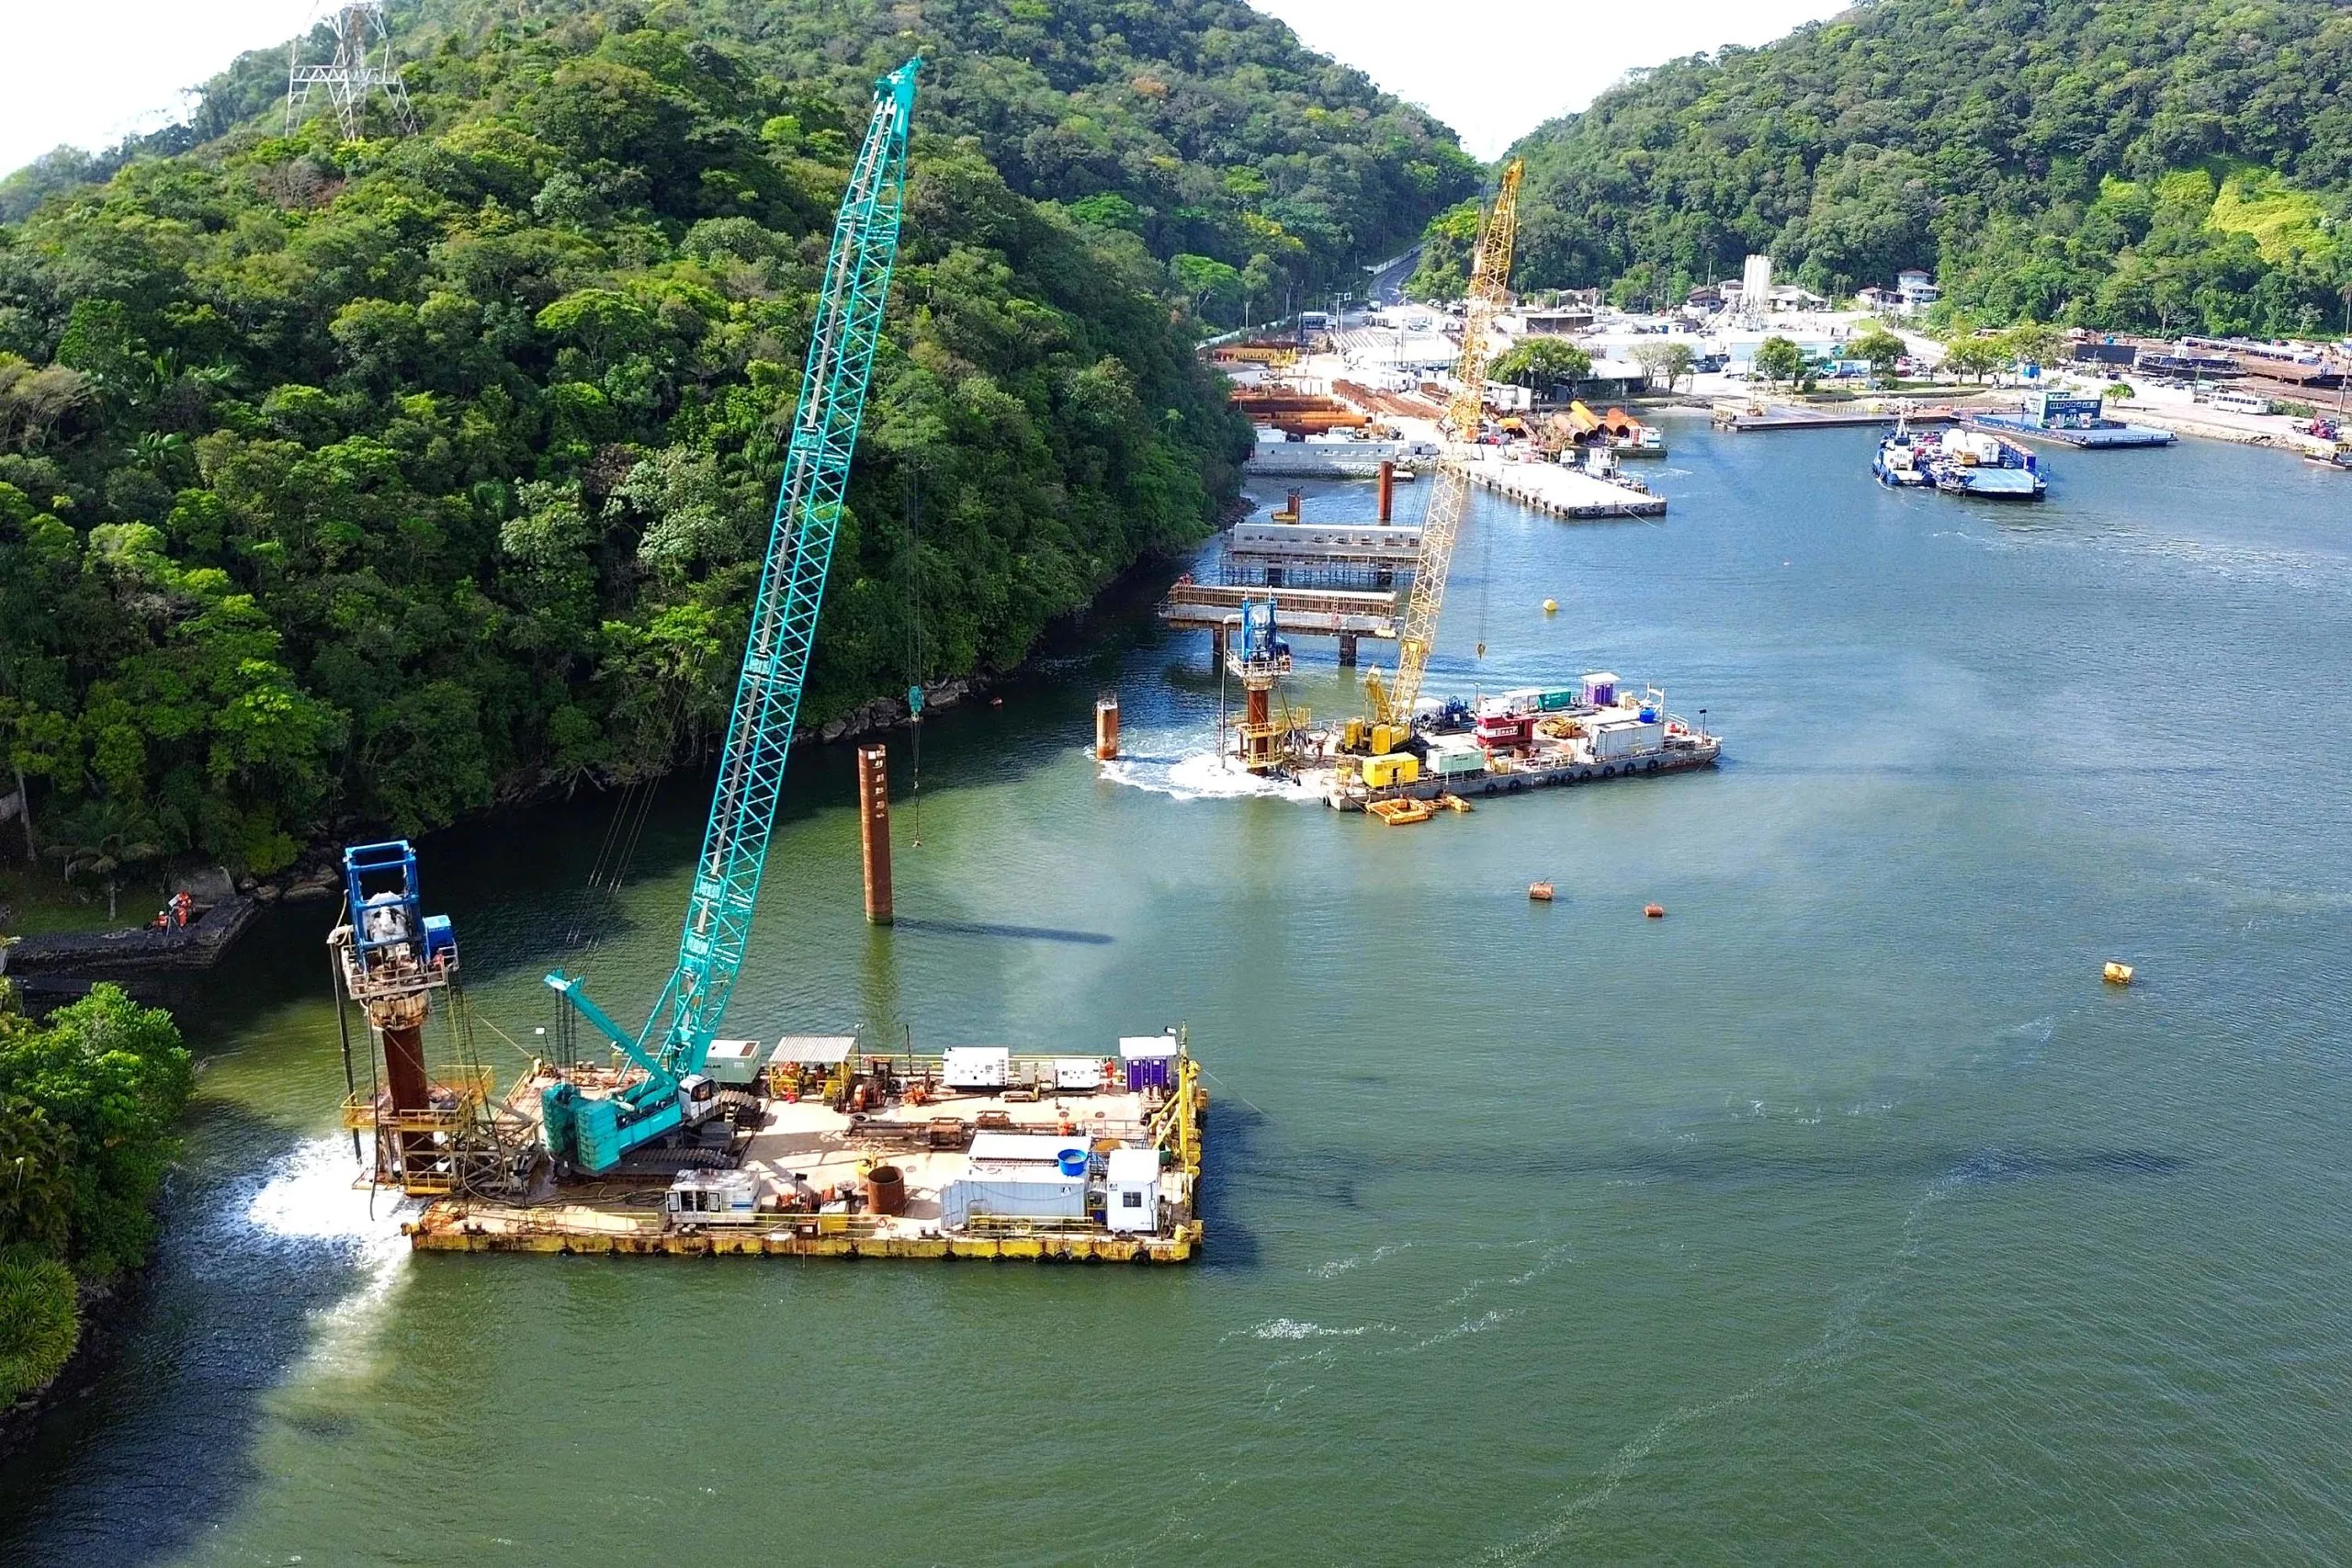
1533 738
679 1140
830 1152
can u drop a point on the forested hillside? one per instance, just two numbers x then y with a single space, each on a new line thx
374 480
2177 164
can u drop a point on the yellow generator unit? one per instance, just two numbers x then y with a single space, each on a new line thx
1352 736
1386 738
1391 767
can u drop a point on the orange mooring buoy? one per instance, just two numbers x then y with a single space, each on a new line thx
1540 891
1654 911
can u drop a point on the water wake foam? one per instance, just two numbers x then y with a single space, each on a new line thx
1200 775
1291 1328
309 1204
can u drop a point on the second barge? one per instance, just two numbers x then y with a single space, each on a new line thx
1530 738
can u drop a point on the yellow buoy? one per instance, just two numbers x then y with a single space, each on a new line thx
2115 973
1551 607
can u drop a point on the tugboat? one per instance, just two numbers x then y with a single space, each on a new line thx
1902 458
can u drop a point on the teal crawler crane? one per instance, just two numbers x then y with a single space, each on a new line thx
592 1133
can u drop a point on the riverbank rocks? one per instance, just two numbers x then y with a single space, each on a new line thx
208 885
873 718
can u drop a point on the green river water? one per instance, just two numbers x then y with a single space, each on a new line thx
1841 1216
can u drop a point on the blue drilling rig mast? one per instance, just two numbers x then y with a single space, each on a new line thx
592 1133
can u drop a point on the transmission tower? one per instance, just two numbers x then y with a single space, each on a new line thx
363 61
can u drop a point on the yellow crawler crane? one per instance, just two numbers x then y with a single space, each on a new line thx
1392 701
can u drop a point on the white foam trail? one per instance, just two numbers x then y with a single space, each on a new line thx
309 1198
1202 775
1291 1328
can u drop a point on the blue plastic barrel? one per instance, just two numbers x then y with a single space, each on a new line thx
1073 1162
1649 715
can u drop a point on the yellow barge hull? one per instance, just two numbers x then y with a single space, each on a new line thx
459 1232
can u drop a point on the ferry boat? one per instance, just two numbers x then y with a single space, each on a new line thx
1960 462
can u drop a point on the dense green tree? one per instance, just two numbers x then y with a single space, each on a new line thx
1542 363
380 481
87 1100
1975 357
1779 360
2173 165
1878 347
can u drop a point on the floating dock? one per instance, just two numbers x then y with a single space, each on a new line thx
1793 416
978 1153
1557 491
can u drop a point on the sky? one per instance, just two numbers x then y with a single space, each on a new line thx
88 72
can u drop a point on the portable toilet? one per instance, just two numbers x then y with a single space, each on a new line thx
1600 689
1149 1060
1131 1190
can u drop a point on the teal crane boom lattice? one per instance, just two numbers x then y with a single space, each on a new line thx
595 1133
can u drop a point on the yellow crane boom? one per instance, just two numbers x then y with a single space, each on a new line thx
1450 498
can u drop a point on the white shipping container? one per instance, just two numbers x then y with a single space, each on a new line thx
1613 743
1012 1195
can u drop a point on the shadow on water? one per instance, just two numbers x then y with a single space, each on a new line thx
1008 933
1232 1136
164 1446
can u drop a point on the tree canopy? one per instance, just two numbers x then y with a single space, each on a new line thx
2169 165
378 480
1543 362
87 1100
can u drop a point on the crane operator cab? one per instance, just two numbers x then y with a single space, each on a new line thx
697 1098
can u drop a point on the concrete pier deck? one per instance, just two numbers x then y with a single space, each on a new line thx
1323 611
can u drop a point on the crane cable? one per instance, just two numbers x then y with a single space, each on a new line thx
914 648
618 851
